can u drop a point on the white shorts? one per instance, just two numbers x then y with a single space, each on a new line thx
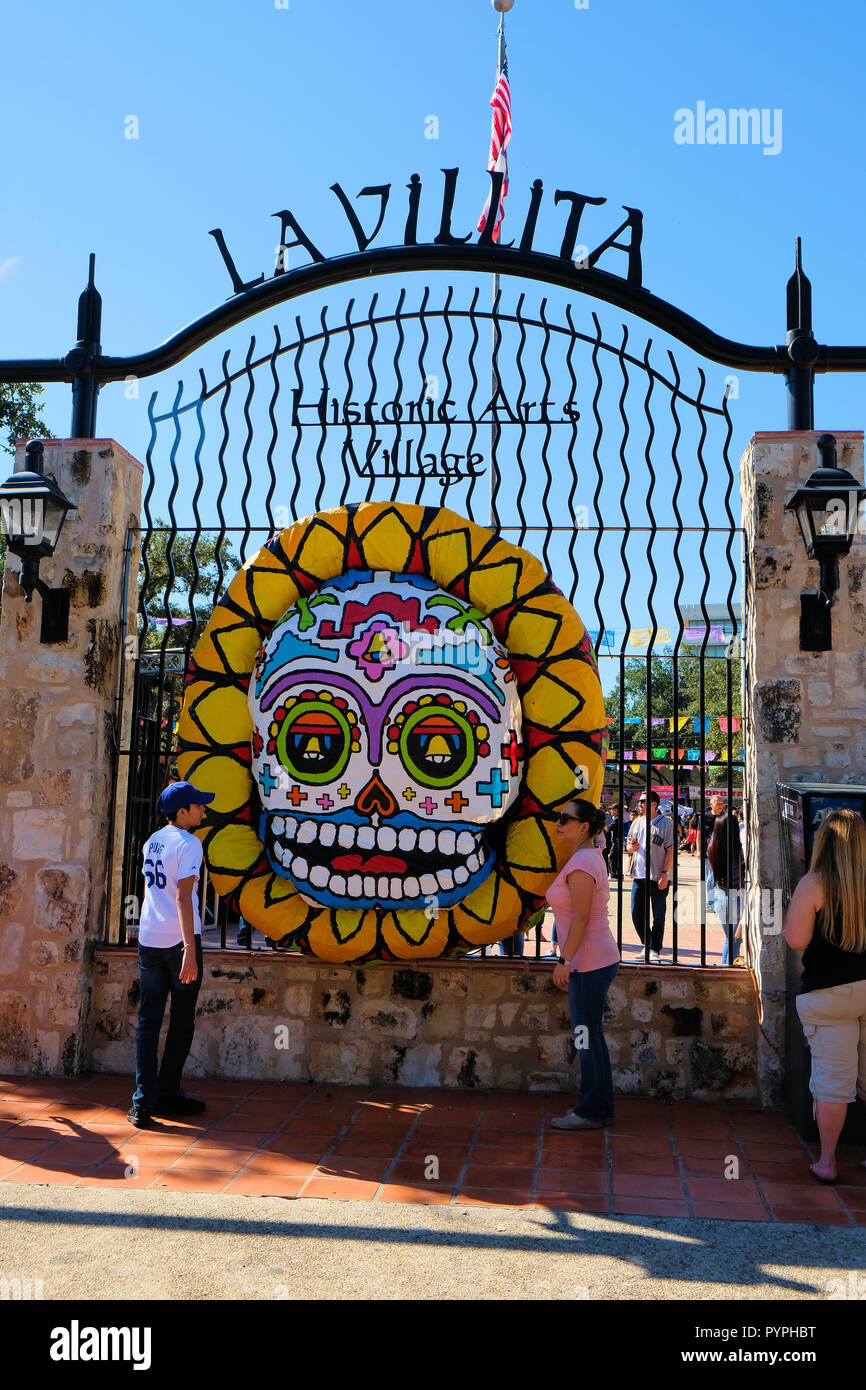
834 1022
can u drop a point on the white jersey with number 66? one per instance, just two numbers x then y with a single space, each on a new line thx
169 855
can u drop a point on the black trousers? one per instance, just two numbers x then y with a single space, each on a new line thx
159 968
658 907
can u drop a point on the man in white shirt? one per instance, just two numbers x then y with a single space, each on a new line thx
661 862
169 956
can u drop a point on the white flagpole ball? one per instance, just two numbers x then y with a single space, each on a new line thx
503 6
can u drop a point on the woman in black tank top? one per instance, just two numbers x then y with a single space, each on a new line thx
826 920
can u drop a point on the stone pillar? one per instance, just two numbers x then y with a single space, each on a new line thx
58 706
805 712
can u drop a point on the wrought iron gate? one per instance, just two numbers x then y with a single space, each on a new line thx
594 453
570 431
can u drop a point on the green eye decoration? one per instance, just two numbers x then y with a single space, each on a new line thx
437 746
314 741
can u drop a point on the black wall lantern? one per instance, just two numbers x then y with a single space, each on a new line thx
827 507
32 512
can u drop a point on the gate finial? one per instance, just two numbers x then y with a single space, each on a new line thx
799 296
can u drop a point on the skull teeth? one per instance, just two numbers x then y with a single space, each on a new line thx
290 838
386 838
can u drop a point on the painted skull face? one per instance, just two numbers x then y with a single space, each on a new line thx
387 732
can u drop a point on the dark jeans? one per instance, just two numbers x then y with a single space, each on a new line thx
658 906
587 992
159 968
513 945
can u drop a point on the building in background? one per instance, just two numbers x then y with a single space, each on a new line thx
717 617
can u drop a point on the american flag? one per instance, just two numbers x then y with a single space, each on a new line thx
500 134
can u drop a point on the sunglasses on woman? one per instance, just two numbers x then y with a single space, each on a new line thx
563 818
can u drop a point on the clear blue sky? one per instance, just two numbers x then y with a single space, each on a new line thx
244 108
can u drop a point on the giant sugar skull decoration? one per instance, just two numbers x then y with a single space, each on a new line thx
390 705
383 711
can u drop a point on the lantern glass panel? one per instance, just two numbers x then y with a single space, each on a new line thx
831 517
53 514
804 517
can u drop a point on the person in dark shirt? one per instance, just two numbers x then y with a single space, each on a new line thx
826 920
727 894
613 836
707 827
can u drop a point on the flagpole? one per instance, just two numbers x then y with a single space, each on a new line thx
501 6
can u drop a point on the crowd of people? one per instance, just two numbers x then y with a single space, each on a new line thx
826 920
716 836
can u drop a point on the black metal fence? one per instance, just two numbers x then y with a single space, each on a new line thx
589 444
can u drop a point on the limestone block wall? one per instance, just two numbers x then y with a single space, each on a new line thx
57 710
805 712
497 1024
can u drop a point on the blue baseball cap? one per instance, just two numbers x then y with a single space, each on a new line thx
180 794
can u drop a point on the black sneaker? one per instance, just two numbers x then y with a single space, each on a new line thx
140 1118
179 1104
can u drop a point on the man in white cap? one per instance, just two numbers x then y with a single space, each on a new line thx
169 956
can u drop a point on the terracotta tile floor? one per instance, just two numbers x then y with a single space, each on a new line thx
426 1146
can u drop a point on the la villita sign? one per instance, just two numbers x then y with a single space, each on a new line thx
395 455
575 203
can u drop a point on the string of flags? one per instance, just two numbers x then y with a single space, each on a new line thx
684 721
642 636
690 755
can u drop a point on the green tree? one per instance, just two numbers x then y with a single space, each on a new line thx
632 695
20 405
173 572
187 567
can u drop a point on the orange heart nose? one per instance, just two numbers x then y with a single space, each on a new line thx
376 797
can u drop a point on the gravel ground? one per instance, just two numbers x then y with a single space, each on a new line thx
93 1244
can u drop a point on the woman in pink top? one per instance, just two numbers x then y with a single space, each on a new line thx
589 959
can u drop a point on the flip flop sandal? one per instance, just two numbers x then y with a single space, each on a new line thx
825 1182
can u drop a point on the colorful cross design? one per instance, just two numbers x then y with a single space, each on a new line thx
495 788
456 801
408 794
325 802
428 805
513 751
343 792
296 796
267 779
